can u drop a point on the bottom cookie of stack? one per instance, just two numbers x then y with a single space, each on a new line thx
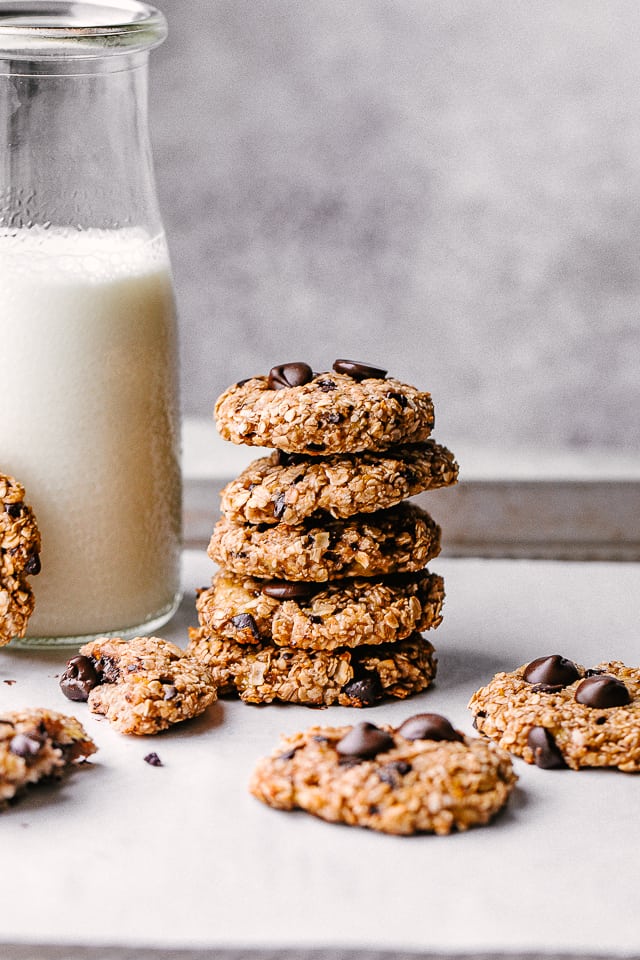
349 676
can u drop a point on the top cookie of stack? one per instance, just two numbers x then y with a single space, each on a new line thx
323 582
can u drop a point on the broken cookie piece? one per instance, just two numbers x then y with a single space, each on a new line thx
36 744
142 685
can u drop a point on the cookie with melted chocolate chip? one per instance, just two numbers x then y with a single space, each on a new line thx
19 558
348 676
555 713
321 616
423 776
289 489
351 408
142 685
36 744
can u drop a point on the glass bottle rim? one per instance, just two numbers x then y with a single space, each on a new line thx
84 29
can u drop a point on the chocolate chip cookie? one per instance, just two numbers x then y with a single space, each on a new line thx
35 744
555 713
401 539
423 776
352 408
321 616
288 488
19 558
351 677
142 686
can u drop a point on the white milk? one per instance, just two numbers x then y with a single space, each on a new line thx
88 422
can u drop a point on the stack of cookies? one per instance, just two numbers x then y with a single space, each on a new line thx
323 590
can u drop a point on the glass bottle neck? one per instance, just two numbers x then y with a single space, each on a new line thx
74 144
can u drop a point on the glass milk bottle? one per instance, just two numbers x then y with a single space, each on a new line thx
88 383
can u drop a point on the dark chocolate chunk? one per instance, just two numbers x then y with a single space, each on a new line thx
364 691
279 506
359 371
545 750
554 671
327 385
33 565
289 375
79 678
364 741
602 691
398 397
391 772
153 760
429 726
288 754
244 621
14 509
547 688
26 745
170 691
291 589
108 670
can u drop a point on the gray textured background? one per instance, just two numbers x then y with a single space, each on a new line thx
450 189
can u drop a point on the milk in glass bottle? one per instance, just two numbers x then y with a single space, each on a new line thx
88 384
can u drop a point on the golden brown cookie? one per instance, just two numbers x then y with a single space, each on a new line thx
35 744
398 540
555 713
321 616
423 776
142 686
287 488
351 677
19 558
296 410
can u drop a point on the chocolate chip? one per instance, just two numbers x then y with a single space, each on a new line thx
593 672
398 397
602 691
170 691
241 383
33 565
26 745
428 726
291 589
288 754
358 370
547 688
244 621
107 670
289 375
554 671
334 417
79 678
153 760
314 618
13 509
364 691
279 506
391 772
327 385
364 741
545 751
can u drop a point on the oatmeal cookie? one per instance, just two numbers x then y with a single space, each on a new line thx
16 606
398 540
321 616
296 410
423 776
555 713
35 744
142 686
286 488
351 677
19 558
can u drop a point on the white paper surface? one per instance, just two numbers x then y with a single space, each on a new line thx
182 855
